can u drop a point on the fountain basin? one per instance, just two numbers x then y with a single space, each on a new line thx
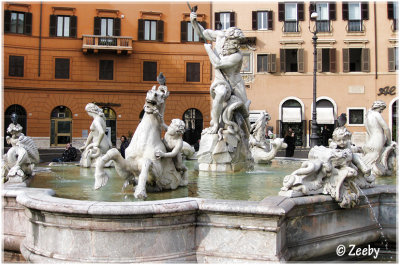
194 229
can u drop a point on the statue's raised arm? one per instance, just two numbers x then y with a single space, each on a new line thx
207 34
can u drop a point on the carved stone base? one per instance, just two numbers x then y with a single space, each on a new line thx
296 193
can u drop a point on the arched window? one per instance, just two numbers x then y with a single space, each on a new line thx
292 118
60 126
325 121
194 125
111 124
21 112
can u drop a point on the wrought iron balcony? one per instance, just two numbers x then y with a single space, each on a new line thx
110 43
291 26
355 26
323 26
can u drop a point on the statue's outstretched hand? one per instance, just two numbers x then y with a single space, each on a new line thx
193 16
159 154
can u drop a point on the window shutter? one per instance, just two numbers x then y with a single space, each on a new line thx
270 20
300 11
332 11
390 10
345 11
272 59
53 26
160 30
254 20
364 11
365 66
28 23
319 60
97 26
232 22
282 60
391 53
73 26
7 20
312 8
140 29
184 31
204 25
117 27
281 12
300 60
346 60
332 60
217 20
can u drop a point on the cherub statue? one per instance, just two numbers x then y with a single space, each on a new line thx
18 163
174 143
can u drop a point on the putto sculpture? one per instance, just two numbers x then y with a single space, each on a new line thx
224 145
20 160
338 171
151 163
379 150
97 142
260 145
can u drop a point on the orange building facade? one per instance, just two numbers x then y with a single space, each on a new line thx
59 56
113 50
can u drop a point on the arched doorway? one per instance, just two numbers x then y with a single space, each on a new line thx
21 112
292 118
325 121
60 126
194 125
111 124
394 120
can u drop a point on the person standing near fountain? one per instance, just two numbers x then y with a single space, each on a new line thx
97 142
289 140
222 146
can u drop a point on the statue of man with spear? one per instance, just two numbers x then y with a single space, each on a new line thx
226 59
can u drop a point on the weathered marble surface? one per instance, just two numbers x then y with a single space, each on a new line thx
150 161
18 163
197 230
224 145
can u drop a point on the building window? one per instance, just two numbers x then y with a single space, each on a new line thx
326 12
104 26
266 63
149 71
188 34
62 26
224 20
61 68
16 66
291 14
355 13
151 30
17 22
393 59
356 60
192 72
356 116
106 70
326 60
262 20
392 9
292 60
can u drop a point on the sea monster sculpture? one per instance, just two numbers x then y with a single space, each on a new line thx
224 145
338 171
147 163
20 160
259 144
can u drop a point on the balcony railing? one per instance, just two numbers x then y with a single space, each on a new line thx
323 26
290 26
355 26
117 43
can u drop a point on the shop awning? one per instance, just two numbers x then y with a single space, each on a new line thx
325 116
291 115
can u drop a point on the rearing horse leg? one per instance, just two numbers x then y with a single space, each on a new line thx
140 191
